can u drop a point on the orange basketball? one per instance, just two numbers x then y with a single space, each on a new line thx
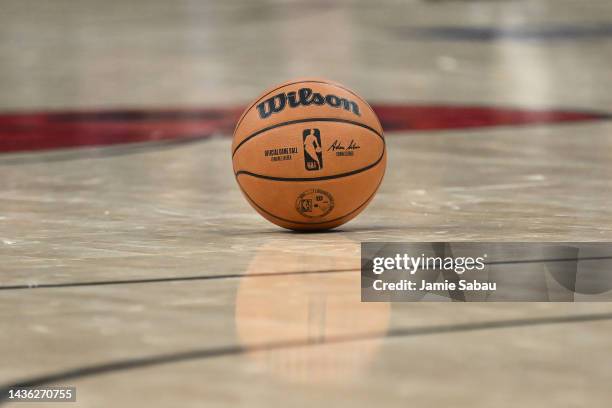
309 154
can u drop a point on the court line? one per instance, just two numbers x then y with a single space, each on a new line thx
174 279
96 152
236 350
538 33
586 258
256 275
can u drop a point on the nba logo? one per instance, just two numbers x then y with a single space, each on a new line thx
305 205
313 154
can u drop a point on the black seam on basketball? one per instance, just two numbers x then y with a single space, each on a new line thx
335 176
301 82
293 122
311 223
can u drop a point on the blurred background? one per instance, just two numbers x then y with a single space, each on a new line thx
132 268
92 54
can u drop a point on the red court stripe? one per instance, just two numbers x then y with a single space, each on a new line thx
33 131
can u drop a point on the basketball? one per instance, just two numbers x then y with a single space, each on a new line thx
309 154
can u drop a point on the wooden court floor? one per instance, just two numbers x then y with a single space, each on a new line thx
138 274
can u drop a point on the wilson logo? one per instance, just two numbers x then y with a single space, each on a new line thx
304 97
